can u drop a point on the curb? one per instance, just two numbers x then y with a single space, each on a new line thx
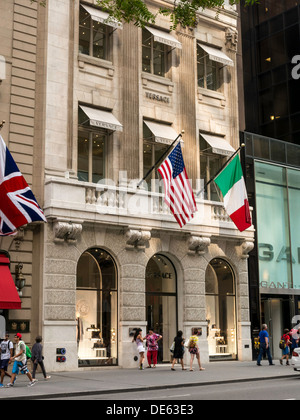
71 394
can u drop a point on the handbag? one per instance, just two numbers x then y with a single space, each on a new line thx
172 348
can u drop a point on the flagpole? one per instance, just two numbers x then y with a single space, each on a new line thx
223 167
158 161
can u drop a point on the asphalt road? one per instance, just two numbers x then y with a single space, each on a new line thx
268 390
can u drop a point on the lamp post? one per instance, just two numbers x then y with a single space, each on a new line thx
20 279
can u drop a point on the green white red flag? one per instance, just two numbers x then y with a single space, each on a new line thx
232 185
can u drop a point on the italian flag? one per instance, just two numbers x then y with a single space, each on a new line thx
232 185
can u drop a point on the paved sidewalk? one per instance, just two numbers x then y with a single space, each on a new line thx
113 379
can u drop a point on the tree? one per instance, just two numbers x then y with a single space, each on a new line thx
183 12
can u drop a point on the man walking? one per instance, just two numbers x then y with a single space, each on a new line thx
20 362
264 346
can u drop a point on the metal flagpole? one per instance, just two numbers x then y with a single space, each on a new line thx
158 161
223 167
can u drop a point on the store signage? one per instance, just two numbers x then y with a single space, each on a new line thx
267 253
277 285
162 275
158 98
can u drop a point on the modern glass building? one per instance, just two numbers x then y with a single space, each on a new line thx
271 56
273 182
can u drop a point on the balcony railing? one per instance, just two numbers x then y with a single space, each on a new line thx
71 199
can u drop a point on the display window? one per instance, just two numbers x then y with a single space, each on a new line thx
97 309
221 310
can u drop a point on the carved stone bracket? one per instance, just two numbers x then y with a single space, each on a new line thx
198 245
231 39
67 231
137 239
246 247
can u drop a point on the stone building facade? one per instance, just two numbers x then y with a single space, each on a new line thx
89 104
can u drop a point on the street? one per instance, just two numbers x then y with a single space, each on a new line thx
268 390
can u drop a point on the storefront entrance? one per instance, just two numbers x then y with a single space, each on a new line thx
161 302
276 314
221 310
97 309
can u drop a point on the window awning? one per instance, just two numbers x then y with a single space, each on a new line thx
217 55
9 298
219 146
162 133
102 17
102 119
164 38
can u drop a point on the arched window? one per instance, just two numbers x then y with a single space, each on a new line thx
97 309
221 310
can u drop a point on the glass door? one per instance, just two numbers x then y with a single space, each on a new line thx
161 303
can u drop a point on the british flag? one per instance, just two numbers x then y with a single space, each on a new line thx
18 206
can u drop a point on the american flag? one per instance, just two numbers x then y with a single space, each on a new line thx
179 195
18 206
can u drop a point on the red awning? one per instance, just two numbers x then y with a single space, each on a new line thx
9 298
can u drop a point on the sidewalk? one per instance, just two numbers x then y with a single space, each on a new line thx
113 379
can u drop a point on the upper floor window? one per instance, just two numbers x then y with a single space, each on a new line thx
94 129
93 36
208 75
156 46
154 55
210 61
95 28
157 140
213 153
91 154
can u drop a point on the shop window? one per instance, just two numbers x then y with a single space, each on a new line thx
97 309
154 55
221 310
93 36
208 71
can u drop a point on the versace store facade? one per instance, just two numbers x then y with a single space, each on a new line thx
111 258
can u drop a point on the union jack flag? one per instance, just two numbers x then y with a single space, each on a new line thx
179 195
18 206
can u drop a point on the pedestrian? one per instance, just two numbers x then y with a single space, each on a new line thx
264 346
286 350
194 350
138 338
178 350
37 357
294 334
152 346
7 350
20 362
